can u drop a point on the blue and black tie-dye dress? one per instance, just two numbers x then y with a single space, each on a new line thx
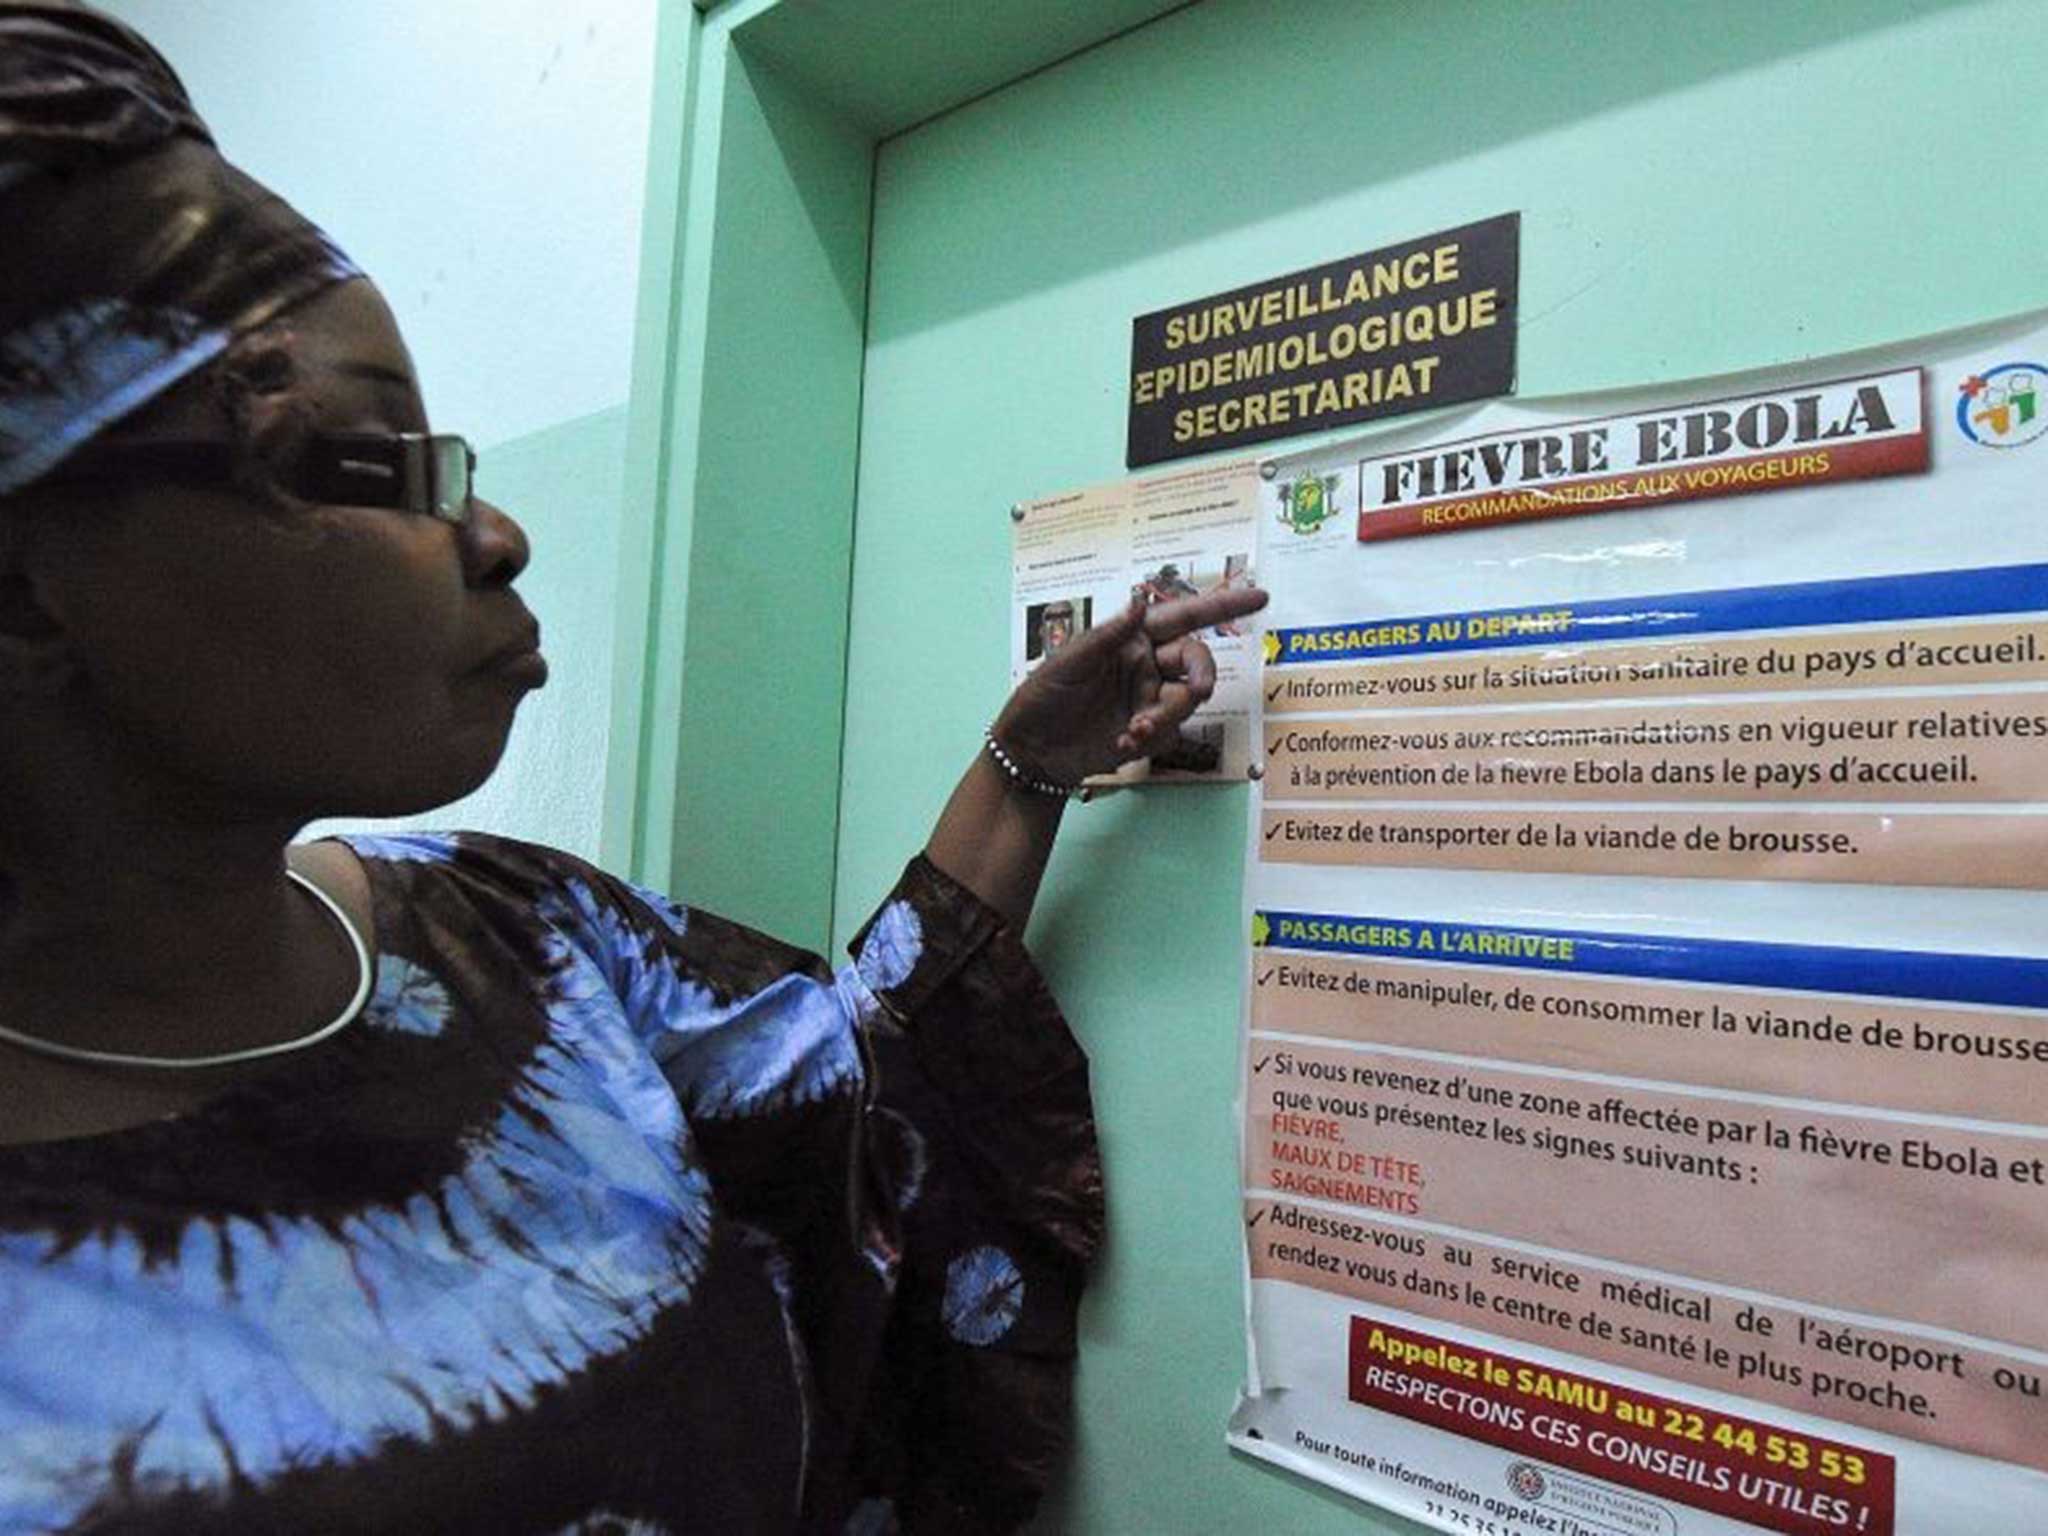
607 1216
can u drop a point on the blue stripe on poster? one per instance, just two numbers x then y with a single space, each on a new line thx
2000 980
1864 600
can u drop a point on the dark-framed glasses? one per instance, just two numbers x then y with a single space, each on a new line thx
428 473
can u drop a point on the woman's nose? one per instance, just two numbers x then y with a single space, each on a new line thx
494 547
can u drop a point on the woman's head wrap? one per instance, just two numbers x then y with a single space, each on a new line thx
131 253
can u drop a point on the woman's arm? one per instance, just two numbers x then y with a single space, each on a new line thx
1118 692
995 837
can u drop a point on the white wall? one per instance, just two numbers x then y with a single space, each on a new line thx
484 161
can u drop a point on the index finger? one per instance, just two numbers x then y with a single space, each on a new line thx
1170 620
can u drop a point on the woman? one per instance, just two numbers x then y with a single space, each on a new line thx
445 1183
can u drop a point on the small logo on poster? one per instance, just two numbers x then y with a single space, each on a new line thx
2004 407
1526 1482
1308 503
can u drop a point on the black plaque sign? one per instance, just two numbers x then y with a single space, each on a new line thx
1428 322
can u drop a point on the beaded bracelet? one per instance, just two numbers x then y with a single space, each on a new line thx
1019 777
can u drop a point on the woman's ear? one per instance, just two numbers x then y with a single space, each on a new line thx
36 652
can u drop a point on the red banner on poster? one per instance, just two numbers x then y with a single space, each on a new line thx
1848 429
1774 1478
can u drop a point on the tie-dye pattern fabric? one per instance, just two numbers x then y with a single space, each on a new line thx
608 1216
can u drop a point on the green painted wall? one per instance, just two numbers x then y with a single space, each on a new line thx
723 779
1703 187
757 801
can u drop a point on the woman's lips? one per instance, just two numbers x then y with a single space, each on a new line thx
526 668
520 662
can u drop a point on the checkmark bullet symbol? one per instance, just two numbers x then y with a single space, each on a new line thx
1265 978
1256 1216
1274 692
1271 830
1260 1065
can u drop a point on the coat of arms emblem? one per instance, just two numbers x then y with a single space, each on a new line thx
1308 503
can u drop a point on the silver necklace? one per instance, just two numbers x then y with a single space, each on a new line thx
340 1022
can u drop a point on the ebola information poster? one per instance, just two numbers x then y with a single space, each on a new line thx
1646 1068
1077 558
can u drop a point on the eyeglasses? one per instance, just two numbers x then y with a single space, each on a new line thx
428 473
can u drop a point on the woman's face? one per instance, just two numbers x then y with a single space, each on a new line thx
294 659
1055 629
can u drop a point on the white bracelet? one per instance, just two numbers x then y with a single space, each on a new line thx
1022 779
